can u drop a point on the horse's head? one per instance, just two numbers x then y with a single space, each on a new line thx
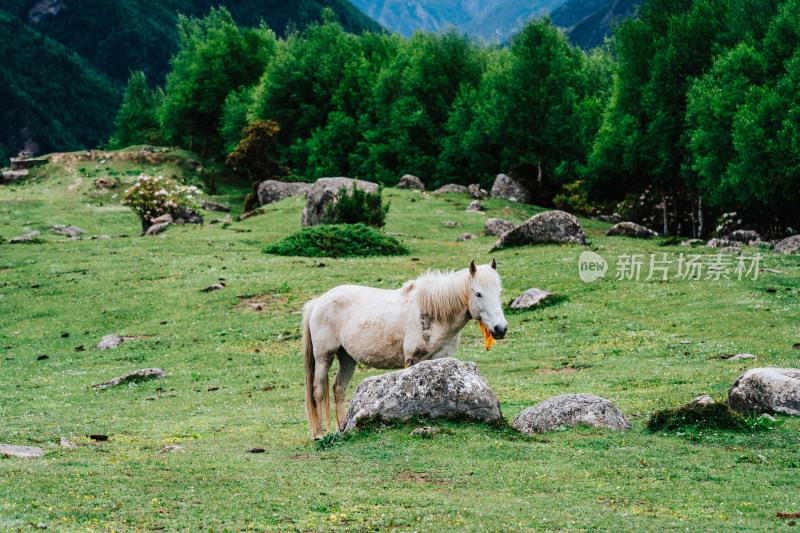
484 298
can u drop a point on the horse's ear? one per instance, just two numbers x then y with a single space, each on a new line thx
472 268
494 264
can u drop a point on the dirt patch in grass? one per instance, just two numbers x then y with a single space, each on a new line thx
565 370
408 476
264 302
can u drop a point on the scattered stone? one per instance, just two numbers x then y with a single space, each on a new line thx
28 237
547 227
120 236
722 243
155 229
765 416
95 237
165 218
466 236
762 390
631 229
731 250
789 245
743 236
106 183
742 356
451 224
530 298
67 230
9 176
22 452
110 341
691 242
214 287
208 205
510 189
256 450
475 191
451 187
475 207
324 192
435 388
66 443
570 410
188 216
703 399
135 375
171 449
164 236
396 234
425 431
270 191
498 226
410 182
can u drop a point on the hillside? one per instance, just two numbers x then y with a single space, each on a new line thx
126 35
51 97
588 22
492 20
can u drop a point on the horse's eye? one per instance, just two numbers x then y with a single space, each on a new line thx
478 294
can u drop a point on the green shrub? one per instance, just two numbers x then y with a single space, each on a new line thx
356 206
342 240
698 416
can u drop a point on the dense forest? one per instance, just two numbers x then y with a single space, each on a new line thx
687 120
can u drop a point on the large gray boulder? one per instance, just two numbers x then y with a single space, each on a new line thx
435 388
323 192
550 226
452 187
23 452
498 226
630 229
789 245
570 410
410 182
510 189
271 191
761 390
744 236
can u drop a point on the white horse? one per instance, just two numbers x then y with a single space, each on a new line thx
392 329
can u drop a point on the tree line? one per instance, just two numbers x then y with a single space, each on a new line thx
690 112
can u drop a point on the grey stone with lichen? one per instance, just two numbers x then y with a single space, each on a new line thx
271 190
789 245
547 227
324 192
22 452
136 375
435 388
498 226
570 410
762 390
530 298
509 189
630 229
410 182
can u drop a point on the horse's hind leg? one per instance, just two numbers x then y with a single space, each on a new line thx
347 365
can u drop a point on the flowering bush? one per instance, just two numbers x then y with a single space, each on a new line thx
573 198
150 197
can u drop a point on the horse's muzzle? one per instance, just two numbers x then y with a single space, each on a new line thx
500 331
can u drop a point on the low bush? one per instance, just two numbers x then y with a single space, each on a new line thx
356 206
338 240
150 197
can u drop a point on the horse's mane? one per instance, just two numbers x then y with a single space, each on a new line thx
442 295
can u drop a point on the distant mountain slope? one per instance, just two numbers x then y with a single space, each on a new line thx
492 20
50 98
123 35
588 22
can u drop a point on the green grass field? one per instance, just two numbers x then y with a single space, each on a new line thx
236 379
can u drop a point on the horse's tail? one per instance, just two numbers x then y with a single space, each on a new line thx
312 409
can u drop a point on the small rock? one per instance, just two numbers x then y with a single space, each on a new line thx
410 182
570 410
66 443
691 242
509 189
703 399
742 356
396 234
214 287
765 416
451 187
67 230
165 218
731 250
631 229
28 237
425 431
23 452
466 236
498 226
110 341
722 243
789 245
208 205
136 375
155 229
530 298
763 458
451 224
475 207
171 449
763 390
95 237
475 191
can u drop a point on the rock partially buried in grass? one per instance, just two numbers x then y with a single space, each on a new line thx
530 298
28 237
466 237
110 341
547 227
324 192
214 287
570 410
761 390
208 205
22 452
498 226
436 388
67 230
451 187
171 449
789 245
136 375
475 207
703 399
410 182
630 229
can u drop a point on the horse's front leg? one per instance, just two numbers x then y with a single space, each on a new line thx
414 352
347 366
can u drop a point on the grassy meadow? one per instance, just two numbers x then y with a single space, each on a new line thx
236 378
